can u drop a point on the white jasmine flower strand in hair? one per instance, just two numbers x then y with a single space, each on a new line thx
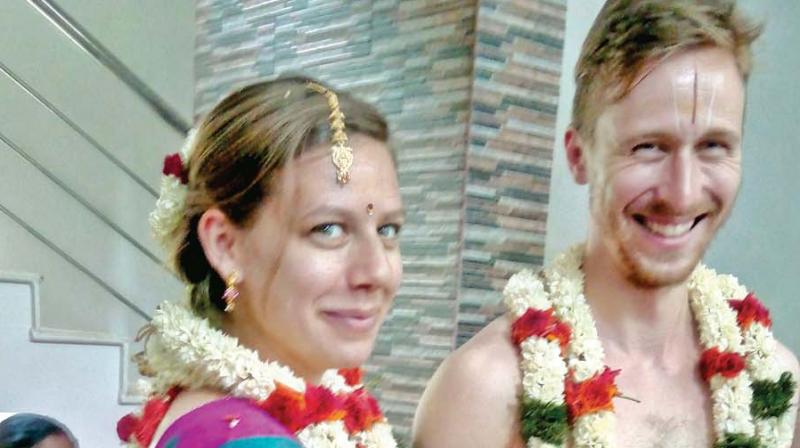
168 213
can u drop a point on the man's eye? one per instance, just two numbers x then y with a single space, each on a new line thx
389 231
713 146
645 147
329 230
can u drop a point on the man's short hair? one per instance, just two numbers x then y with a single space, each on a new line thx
629 35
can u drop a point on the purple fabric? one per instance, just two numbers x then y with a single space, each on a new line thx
209 426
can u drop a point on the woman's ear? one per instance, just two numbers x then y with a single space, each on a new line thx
576 157
217 235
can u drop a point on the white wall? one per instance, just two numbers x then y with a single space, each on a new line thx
81 149
75 384
568 212
761 242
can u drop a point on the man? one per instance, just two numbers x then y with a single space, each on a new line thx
656 133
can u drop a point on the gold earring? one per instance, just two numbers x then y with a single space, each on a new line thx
231 291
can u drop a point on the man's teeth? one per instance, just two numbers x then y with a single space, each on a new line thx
669 229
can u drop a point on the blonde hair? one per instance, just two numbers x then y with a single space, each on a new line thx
627 35
239 146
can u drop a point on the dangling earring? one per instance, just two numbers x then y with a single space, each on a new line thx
231 292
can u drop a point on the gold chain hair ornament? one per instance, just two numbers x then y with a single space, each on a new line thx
341 152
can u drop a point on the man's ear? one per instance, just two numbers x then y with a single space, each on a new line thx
576 156
218 235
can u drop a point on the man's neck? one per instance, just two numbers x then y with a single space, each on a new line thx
642 323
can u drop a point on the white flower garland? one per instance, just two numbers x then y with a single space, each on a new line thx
544 369
169 207
186 351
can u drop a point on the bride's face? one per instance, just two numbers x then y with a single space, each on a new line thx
321 262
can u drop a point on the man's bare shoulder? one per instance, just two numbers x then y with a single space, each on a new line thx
788 362
471 401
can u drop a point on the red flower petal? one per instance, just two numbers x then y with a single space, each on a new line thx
362 411
173 166
352 377
561 332
593 395
322 405
749 310
141 429
287 406
126 426
727 364
542 324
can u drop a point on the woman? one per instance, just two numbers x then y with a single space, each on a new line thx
282 215
34 431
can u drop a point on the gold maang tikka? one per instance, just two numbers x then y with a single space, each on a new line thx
341 152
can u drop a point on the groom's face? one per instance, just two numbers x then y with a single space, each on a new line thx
666 165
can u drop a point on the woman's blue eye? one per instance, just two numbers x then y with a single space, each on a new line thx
389 230
329 230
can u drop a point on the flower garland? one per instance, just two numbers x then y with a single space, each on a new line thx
167 215
568 391
186 353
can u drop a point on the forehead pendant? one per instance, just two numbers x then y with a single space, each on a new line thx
341 152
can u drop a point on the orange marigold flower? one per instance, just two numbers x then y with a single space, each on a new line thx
727 364
749 310
593 395
542 324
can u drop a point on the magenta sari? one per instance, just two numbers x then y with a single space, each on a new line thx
227 423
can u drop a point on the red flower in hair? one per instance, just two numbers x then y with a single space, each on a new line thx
749 310
173 166
593 395
362 411
352 377
542 324
727 364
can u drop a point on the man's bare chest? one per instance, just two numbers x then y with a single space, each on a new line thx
671 410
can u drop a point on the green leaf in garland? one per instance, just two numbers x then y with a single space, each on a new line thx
772 398
546 421
738 441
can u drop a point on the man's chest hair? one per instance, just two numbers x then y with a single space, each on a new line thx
662 431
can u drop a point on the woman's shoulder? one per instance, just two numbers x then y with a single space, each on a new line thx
209 419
